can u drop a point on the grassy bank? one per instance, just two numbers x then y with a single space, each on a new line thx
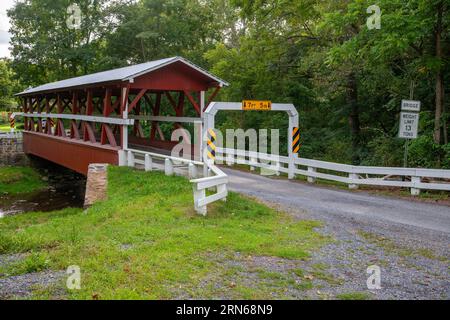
145 241
4 128
16 180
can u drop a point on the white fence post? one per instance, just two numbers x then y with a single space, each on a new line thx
199 195
148 163
311 179
222 188
414 181
277 165
130 160
192 171
253 161
122 158
229 157
291 168
353 176
168 167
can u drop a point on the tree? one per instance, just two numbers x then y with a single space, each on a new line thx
7 86
346 79
324 58
48 46
154 29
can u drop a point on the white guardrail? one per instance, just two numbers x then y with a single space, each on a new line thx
11 135
214 180
414 178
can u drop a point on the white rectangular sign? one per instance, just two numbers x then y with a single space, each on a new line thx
410 105
409 123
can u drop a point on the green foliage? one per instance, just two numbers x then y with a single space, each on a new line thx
45 48
326 61
423 153
385 151
347 81
7 87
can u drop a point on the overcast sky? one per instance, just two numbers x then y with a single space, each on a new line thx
4 27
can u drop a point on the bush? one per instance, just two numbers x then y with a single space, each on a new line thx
423 152
3 117
386 152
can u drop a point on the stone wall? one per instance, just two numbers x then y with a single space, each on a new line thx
11 151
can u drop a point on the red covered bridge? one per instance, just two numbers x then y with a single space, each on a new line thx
89 119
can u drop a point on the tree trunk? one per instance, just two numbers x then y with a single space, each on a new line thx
439 77
352 102
445 124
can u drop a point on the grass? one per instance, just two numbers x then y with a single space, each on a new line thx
33 262
6 127
354 296
391 247
319 272
146 242
17 180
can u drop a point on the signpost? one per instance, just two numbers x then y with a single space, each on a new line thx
409 123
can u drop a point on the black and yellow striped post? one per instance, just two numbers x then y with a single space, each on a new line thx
12 121
295 140
211 145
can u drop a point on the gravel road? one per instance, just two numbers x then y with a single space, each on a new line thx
409 241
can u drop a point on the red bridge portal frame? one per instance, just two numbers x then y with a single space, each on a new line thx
88 119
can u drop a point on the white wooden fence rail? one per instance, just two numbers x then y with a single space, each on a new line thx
215 179
414 178
11 135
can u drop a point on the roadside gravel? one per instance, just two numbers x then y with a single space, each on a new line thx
22 286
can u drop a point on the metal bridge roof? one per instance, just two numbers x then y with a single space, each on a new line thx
120 74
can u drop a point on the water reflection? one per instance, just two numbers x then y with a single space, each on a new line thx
65 189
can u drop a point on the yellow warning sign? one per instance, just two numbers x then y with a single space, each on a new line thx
211 147
12 121
295 140
256 105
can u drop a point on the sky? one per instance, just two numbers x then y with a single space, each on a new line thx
4 27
